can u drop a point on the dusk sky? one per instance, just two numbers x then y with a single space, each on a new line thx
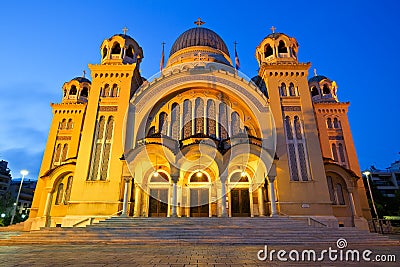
44 44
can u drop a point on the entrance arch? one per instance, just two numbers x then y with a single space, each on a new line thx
199 188
158 192
240 195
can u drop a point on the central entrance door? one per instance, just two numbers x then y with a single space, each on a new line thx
240 201
199 202
158 203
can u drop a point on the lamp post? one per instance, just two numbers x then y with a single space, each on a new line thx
367 173
23 173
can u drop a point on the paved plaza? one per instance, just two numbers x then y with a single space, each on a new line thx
155 255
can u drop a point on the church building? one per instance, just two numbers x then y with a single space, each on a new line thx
199 139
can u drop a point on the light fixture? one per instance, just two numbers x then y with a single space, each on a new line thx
23 216
199 174
243 174
24 172
155 174
3 215
367 173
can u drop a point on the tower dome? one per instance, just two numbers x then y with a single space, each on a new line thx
322 89
199 43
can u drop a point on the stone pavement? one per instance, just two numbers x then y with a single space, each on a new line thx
157 255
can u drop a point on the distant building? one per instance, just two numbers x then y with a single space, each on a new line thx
386 181
26 195
5 177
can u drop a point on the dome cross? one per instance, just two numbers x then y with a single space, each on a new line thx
124 30
199 22
273 29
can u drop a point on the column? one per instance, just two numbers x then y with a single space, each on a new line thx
46 211
175 179
223 196
352 203
261 210
271 180
136 212
127 180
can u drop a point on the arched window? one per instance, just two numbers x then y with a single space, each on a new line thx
73 90
341 153
199 115
303 162
114 90
223 121
294 171
64 153
160 178
104 52
97 149
65 93
235 123
334 153
70 124
294 52
175 119
107 148
129 52
211 128
60 194
162 123
68 190
85 92
152 131
340 196
63 124
297 128
57 154
326 90
314 91
282 47
331 190
288 126
187 118
199 177
238 177
106 90
282 89
268 50
329 123
336 123
116 49
292 90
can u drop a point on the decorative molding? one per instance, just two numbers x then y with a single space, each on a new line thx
63 138
337 137
291 108
108 108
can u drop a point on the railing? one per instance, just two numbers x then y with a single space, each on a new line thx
310 221
90 219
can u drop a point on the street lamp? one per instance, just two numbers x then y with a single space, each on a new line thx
368 173
23 173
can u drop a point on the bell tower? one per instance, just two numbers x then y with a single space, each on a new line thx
285 79
99 162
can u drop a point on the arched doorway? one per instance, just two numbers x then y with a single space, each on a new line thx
199 185
239 195
158 195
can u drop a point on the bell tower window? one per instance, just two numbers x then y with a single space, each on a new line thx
268 50
314 91
129 52
73 90
104 52
283 89
116 50
84 92
282 47
326 90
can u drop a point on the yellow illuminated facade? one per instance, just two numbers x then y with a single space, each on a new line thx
199 140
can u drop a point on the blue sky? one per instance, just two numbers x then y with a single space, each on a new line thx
43 44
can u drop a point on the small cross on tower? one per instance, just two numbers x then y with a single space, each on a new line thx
315 72
125 29
273 29
84 73
199 22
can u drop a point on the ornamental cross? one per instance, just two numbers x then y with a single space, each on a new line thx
315 72
84 73
273 29
199 22
125 29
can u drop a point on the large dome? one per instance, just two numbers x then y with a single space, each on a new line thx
199 36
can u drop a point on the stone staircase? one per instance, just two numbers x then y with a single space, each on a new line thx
232 231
